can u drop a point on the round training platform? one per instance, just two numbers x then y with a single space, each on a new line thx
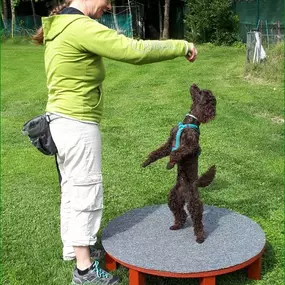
141 239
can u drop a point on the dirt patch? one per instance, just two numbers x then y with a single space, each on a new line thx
275 119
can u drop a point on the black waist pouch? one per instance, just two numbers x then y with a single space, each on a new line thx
38 131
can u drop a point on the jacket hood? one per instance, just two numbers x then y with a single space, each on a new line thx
55 25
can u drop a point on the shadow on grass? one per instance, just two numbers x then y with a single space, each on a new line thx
217 185
250 207
269 259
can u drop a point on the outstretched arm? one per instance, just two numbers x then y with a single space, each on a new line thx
105 42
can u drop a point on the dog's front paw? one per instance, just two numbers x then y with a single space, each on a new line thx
170 165
146 163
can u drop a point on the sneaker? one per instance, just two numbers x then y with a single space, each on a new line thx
95 276
95 253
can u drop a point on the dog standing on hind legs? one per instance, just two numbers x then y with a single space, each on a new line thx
183 149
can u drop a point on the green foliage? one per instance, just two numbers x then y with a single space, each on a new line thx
16 40
270 70
14 3
211 21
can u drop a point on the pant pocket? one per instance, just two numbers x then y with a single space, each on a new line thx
87 193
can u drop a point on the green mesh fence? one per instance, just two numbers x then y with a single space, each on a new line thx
26 25
122 23
262 15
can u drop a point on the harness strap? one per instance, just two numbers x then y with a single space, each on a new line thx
181 127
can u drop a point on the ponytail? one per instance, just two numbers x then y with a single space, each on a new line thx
59 8
38 37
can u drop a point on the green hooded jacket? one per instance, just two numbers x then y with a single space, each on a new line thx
75 45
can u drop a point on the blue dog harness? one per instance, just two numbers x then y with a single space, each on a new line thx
181 127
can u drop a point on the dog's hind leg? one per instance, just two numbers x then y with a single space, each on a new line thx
195 208
176 203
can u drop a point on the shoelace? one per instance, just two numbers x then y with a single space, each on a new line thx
99 271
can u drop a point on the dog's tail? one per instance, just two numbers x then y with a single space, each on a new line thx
206 178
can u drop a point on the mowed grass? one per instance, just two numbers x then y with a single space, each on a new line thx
142 103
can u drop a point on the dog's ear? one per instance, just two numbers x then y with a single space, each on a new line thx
207 106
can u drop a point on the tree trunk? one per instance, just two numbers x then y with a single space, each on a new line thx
34 14
165 34
131 18
115 18
13 19
4 13
160 19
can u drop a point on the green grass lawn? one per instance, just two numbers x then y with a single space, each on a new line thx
142 103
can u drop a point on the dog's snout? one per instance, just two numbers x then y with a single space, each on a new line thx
194 90
194 86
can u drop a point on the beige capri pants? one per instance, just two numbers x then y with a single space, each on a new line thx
79 161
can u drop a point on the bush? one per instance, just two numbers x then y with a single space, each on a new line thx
271 69
211 21
15 40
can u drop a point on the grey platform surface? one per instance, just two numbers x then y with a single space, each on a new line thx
141 238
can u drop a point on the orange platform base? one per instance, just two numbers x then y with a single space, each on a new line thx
137 275
141 241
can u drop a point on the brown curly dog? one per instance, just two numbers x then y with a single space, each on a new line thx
183 149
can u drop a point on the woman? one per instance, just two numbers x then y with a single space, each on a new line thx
75 45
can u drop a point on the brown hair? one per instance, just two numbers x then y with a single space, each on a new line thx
38 37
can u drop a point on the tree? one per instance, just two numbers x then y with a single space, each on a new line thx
13 4
211 21
165 33
160 19
34 14
115 18
4 12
